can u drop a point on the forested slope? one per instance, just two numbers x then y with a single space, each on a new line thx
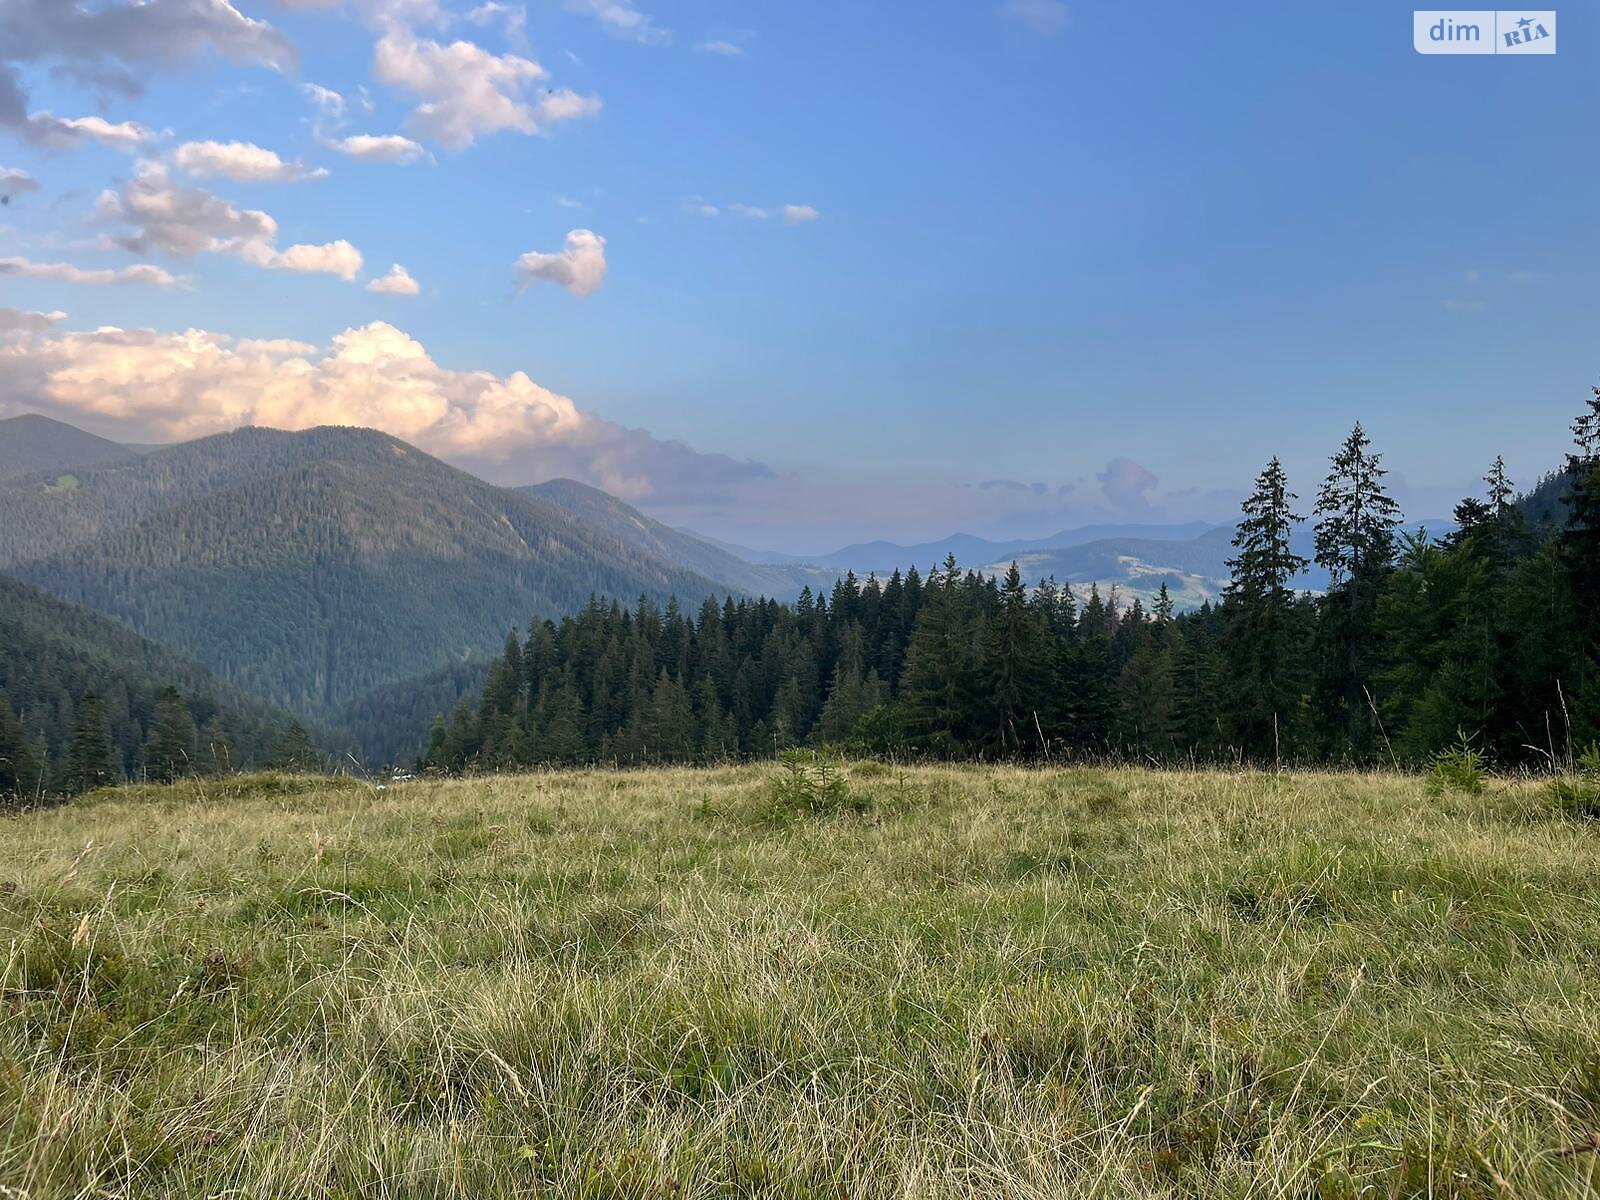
53 654
308 568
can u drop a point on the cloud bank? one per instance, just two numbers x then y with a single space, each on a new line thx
166 387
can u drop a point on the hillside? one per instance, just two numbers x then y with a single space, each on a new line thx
52 653
965 983
34 445
308 568
649 536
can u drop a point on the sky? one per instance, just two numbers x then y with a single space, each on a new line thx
801 275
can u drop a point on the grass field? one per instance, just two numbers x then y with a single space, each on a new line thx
980 982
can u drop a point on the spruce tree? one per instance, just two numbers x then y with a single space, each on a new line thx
92 760
1016 665
169 751
1580 555
19 768
1355 544
295 751
1263 643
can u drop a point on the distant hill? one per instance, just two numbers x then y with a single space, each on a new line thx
52 652
970 550
34 445
309 568
735 574
389 725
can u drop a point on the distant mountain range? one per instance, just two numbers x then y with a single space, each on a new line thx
350 577
716 562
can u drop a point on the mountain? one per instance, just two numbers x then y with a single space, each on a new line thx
52 653
764 558
728 570
35 445
309 568
970 550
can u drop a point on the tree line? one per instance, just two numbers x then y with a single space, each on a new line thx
1490 632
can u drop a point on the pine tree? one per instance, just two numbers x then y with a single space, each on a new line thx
169 751
1580 554
92 759
940 674
295 751
19 768
1263 639
1355 540
1016 666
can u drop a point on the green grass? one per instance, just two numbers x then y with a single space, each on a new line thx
964 982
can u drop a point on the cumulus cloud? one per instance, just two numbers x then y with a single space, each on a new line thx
1127 485
107 46
379 148
1047 17
397 282
467 92
15 182
329 258
143 273
173 386
185 221
580 265
621 19
60 132
795 214
244 162
16 322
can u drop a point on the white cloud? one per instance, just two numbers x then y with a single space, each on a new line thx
1127 485
467 92
621 19
580 266
397 282
18 322
727 49
184 221
105 46
329 102
143 273
241 161
61 132
746 210
795 214
14 182
164 387
697 206
1047 17
513 16
330 258
379 148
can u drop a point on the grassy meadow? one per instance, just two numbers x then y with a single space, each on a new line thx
935 982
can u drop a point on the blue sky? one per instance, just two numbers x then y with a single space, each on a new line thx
1123 252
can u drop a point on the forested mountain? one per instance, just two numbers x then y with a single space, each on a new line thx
53 655
1490 633
33 445
390 724
726 570
308 568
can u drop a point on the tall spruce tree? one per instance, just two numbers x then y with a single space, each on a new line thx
92 760
169 751
20 769
1355 544
1017 666
1264 640
1580 555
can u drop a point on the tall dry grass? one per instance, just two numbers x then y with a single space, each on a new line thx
974 982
